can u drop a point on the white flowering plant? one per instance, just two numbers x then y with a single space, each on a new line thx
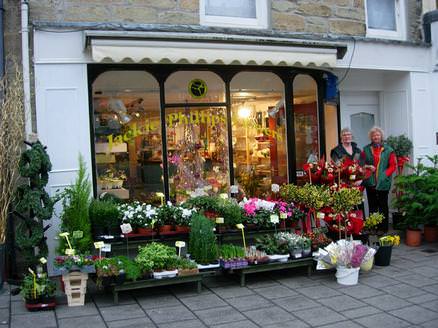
138 214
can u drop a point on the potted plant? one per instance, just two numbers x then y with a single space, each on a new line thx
202 240
105 217
277 247
38 292
131 268
232 257
186 267
109 271
166 217
208 205
140 216
415 195
230 210
158 258
62 265
370 225
431 208
183 219
383 254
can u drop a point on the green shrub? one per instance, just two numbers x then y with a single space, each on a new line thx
156 257
202 242
402 145
104 214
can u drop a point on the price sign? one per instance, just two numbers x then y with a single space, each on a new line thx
106 248
78 234
274 218
219 220
126 228
320 215
234 189
99 244
240 226
180 244
283 215
69 252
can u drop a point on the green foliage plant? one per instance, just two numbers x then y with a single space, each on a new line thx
230 251
44 287
230 211
104 214
185 264
156 257
132 269
401 144
75 214
202 240
418 195
203 203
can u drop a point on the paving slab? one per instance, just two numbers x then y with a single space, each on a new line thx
382 320
83 322
316 292
156 301
268 316
44 319
342 303
232 291
360 312
403 291
415 314
238 324
319 316
251 302
361 291
203 302
387 302
295 303
4 316
103 300
121 312
342 324
65 311
275 292
170 314
183 324
220 315
131 323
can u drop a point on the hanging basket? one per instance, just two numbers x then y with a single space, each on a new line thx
347 276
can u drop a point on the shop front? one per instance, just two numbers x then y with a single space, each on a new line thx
218 125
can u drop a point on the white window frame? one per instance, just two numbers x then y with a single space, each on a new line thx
260 22
400 23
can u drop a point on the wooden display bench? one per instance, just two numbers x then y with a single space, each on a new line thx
141 284
273 266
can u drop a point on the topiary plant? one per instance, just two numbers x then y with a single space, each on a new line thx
33 204
202 242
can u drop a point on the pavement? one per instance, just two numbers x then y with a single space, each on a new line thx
404 294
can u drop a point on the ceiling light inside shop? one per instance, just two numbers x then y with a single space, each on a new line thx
244 112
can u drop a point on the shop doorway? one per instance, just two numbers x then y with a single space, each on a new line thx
360 112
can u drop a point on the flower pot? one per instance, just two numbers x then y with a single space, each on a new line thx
383 256
368 265
188 272
182 229
165 229
413 237
347 276
431 233
145 231
307 252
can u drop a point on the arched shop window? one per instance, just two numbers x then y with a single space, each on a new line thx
197 137
127 135
305 102
258 131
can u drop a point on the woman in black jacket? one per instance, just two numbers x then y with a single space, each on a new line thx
346 148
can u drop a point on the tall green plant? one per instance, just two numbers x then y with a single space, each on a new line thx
401 144
33 204
75 215
202 242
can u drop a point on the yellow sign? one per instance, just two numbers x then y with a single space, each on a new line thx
99 244
197 88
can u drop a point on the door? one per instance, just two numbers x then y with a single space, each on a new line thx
360 112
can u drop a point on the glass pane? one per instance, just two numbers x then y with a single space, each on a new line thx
127 135
235 8
331 127
197 144
306 123
194 87
361 123
381 14
259 131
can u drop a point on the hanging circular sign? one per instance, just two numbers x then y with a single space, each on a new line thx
197 88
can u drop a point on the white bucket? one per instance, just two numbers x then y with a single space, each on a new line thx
347 276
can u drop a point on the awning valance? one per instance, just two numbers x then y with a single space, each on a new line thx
114 50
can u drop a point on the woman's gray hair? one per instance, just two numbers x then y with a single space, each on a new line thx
376 129
346 130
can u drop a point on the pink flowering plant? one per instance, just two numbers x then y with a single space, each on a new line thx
258 211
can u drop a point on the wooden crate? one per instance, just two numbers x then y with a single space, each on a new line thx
75 284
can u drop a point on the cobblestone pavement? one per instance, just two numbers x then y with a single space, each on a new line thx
404 294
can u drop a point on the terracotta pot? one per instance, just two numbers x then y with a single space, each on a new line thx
182 229
146 231
431 233
164 229
413 237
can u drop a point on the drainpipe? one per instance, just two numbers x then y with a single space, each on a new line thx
25 64
2 49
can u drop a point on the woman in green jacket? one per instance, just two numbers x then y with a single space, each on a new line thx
380 159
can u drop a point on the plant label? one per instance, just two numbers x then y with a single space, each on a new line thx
274 218
78 234
106 248
283 215
69 251
126 228
180 244
234 189
219 220
223 196
99 244
240 226
320 215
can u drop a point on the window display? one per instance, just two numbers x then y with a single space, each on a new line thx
259 131
306 123
127 133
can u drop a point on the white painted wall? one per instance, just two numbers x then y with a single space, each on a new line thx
61 97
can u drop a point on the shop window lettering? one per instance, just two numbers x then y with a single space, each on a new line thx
133 132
